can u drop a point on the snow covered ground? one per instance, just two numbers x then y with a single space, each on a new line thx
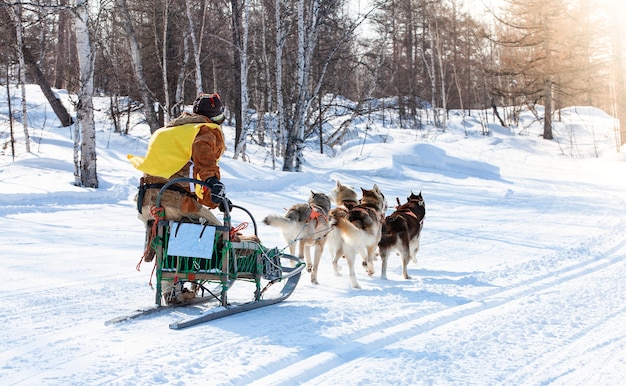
520 278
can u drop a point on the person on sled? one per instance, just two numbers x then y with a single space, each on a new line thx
189 146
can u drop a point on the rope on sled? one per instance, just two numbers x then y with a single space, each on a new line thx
158 214
234 230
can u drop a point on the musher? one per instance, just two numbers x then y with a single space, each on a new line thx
189 146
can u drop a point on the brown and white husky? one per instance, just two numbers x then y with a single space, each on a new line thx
305 226
360 229
344 197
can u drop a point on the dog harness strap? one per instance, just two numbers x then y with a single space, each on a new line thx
410 213
316 214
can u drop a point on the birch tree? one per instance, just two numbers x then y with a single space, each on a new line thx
196 48
240 145
164 59
17 18
180 83
308 28
87 175
282 32
237 45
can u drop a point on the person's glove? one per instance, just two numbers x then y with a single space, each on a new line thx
218 191
223 203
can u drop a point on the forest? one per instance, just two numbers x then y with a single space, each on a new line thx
282 65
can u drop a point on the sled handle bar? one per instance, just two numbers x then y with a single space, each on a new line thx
186 179
195 181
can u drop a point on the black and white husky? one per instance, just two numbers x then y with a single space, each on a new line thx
402 231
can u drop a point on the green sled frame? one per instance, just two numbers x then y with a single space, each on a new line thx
214 271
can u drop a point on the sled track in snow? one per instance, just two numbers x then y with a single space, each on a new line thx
602 352
326 361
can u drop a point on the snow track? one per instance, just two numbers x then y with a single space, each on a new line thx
330 365
549 310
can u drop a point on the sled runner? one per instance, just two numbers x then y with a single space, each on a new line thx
206 261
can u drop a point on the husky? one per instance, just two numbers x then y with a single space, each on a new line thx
360 230
344 197
305 226
401 231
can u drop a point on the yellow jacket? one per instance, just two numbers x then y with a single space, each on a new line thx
190 137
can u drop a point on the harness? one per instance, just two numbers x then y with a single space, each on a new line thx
316 214
368 210
408 211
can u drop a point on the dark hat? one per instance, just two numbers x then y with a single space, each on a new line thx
209 105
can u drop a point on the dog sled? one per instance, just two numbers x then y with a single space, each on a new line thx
210 260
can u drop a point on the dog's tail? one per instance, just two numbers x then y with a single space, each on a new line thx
339 218
362 217
278 221
299 212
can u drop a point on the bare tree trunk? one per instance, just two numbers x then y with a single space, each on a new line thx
430 68
62 51
263 99
10 115
547 96
137 61
196 48
237 52
17 18
308 28
547 90
240 146
442 76
281 37
86 59
180 83
166 86
295 131
40 79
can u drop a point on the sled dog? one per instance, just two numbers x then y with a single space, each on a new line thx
305 226
344 197
360 230
401 231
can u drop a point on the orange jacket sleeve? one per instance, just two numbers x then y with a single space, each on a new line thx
207 149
